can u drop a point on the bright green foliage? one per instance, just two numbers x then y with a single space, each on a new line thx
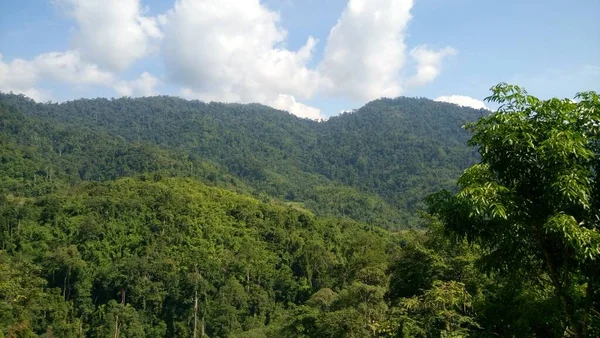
172 218
27 306
435 289
533 203
444 311
358 310
130 256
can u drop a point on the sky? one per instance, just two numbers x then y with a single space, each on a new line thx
313 58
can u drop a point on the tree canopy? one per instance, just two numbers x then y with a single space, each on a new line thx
374 165
115 223
533 202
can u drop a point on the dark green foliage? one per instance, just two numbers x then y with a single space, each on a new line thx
533 202
39 156
161 217
374 165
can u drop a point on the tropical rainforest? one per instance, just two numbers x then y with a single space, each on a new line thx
162 217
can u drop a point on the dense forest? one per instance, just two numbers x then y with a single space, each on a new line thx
161 217
374 165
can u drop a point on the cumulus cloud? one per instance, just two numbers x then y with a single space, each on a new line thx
145 85
365 51
288 103
22 76
227 50
429 64
365 55
69 67
230 50
112 33
461 100
18 76
110 36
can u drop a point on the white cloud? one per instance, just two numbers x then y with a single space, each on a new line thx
289 103
112 33
145 85
365 56
231 50
18 76
461 100
69 67
22 76
227 50
365 50
429 64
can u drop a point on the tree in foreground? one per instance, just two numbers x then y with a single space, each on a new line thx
533 201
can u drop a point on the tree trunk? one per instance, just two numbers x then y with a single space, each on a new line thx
558 286
248 280
116 326
202 326
117 316
65 283
65 288
588 302
195 313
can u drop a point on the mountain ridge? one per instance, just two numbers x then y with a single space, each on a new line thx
393 150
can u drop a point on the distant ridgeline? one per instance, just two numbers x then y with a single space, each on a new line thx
374 165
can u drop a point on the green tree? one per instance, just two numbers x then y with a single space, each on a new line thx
532 203
444 311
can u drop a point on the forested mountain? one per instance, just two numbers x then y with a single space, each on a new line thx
161 217
160 244
373 165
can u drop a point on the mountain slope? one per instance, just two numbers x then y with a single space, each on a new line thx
137 252
374 165
41 156
402 148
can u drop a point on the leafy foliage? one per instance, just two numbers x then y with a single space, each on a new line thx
533 203
131 255
124 225
375 165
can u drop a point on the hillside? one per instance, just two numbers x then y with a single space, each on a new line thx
373 165
155 245
109 234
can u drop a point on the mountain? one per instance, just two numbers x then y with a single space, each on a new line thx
137 252
161 217
373 165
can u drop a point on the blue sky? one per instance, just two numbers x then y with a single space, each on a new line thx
314 58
